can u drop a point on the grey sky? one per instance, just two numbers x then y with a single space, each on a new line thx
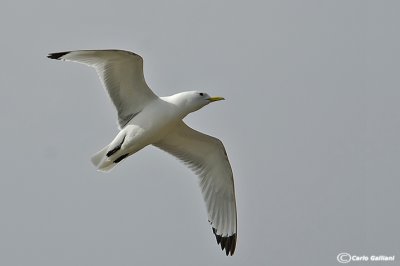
311 125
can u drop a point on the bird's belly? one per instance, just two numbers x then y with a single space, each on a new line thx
149 127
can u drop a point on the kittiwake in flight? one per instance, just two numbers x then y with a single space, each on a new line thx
146 119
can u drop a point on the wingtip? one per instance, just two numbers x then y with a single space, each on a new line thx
57 55
228 243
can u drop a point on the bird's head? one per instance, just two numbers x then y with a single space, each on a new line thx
194 100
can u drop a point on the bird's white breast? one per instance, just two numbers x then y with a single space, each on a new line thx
155 120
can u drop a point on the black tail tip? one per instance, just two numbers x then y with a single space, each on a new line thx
57 55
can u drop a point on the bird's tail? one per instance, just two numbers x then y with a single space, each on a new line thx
100 160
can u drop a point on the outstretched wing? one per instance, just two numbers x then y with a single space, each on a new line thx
207 157
121 73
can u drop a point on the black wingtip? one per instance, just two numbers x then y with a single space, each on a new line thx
227 242
57 55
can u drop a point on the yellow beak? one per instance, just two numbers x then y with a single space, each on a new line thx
214 99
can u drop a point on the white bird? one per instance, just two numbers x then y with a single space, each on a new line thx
145 119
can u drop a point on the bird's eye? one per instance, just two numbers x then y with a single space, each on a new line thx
201 94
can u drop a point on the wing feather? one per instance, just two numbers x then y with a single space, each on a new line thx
121 73
206 156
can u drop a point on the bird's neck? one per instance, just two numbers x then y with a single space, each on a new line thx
179 104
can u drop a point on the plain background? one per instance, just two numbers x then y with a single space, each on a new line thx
311 124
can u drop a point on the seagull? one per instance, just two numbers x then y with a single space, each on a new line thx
146 119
